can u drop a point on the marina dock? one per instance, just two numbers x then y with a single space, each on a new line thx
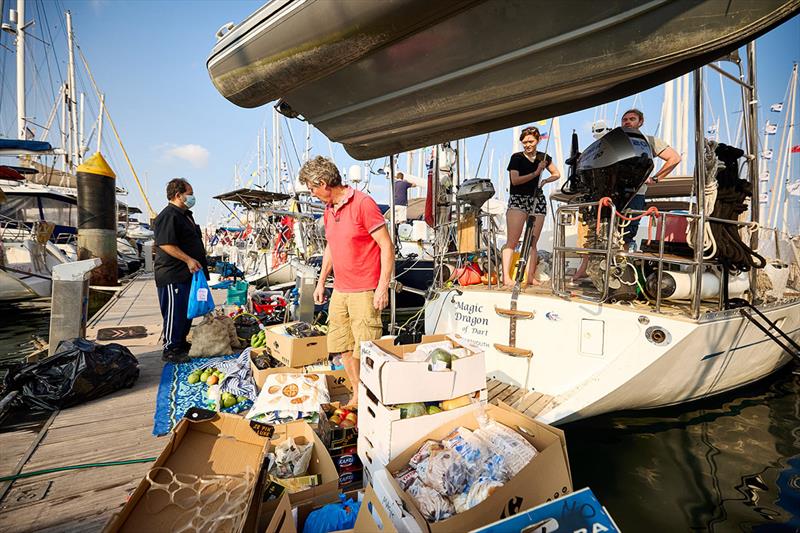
117 427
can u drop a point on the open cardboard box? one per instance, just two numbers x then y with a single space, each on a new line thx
372 517
203 443
334 436
292 351
546 477
274 516
321 462
338 383
396 381
387 435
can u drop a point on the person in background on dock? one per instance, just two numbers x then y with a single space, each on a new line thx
526 198
634 119
361 254
401 186
179 254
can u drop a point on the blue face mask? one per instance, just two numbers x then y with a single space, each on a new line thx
189 200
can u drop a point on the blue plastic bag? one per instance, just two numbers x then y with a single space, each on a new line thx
333 517
200 300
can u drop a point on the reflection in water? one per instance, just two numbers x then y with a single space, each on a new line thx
19 322
730 463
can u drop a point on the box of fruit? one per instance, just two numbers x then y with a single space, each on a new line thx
339 426
296 344
441 367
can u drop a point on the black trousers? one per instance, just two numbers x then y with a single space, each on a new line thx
174 301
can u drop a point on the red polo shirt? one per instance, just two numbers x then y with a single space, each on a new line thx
348 229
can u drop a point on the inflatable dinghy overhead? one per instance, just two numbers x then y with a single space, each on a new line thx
389 76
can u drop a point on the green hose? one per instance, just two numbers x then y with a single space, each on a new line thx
74 467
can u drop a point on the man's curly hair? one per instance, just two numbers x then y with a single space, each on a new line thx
318 171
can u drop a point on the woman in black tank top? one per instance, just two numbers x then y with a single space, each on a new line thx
526 197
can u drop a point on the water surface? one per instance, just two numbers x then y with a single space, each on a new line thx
730 463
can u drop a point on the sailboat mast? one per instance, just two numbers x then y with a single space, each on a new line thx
763 170
21 69
276 155
73 130
685 127
100 121
778 180
64 149
258 159
264 147
80 132
752 148
788 171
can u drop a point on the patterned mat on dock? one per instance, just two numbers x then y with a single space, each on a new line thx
121 333
176 394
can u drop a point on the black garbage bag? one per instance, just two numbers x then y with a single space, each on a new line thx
79 371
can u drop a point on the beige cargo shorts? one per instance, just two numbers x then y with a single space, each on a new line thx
352 319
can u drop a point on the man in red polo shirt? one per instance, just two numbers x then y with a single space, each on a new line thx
360 252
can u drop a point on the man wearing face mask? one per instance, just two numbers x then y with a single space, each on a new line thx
179 254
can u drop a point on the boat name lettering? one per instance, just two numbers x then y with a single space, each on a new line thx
471 320
470 309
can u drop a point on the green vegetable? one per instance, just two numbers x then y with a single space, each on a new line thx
440 359
433 409
412 410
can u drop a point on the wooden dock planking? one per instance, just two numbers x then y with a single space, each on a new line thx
530 403
114 428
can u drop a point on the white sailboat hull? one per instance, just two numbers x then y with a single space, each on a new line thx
594 359
15 289
261 271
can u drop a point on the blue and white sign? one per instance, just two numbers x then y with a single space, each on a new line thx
579 512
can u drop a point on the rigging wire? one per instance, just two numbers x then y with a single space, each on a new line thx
291 137
480 160
39 10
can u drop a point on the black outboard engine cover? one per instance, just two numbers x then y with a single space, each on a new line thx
616 165
475 192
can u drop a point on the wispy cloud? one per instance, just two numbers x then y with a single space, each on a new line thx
97 5
194 154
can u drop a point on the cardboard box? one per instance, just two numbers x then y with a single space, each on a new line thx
275 517
370 457
345 457
396 381
321 462
338 383
210 443
371 518
546 477
294 352
351 478
390 435
579 511
391 502
335 437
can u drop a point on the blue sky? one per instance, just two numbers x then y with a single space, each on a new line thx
149 58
